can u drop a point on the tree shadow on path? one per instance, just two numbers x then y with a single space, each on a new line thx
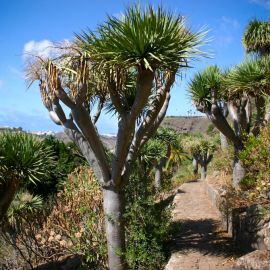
203 236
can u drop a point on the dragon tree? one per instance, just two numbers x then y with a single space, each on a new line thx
128 65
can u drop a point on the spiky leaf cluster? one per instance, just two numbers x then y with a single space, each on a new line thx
203 82
153 150
167 136
23 203
257 37
198 146
144 38
23 157
251 76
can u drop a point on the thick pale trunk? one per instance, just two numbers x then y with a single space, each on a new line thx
223 141
195 165
238 173
113 209
238 169
158 176
203 171
159 168
223 126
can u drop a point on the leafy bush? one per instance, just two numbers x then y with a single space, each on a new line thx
72 224
24 159
147 226
67 158
256 161
222 161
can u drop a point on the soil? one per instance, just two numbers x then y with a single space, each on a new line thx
199 243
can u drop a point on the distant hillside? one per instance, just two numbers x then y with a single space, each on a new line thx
187 124
109 141
182 124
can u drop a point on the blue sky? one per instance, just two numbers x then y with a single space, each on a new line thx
32 25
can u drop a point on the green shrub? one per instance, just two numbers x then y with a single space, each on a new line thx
67 158
222 161
147 226
256 160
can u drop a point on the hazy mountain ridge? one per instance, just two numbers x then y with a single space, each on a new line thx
182 124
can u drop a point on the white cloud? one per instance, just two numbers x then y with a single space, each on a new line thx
42 48
265 3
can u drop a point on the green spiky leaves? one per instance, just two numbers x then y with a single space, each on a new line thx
252 77
200 86
23 157
144 38
257 37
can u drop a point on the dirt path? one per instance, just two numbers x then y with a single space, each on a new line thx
199 244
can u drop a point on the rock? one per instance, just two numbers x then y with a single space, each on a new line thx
256 260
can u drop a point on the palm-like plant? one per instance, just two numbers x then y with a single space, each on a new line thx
203 85
153 46
207 93
212 98
22 204
201 151
252 78
257 37
23 158
145 38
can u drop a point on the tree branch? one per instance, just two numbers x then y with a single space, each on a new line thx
154 115
127 123
115 97
140 139
75 135
84 122
260 117
98 112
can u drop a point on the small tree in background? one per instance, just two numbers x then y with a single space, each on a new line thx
143 51
170 141
209 97
24 159
201 151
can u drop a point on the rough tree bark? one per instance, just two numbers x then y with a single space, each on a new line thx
115 233
261 113
223 141
158 176
240 114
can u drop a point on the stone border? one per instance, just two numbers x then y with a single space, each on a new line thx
215 199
